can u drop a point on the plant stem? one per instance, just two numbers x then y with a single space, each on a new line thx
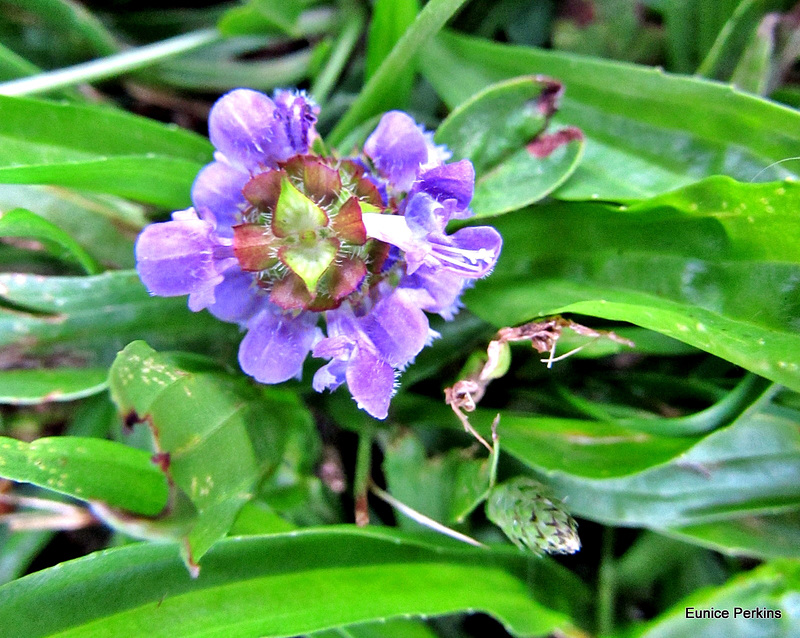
110 66
362 478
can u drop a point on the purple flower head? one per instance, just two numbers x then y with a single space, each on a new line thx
281 238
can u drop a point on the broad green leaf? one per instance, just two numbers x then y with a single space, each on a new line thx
31 387
647 132
774 586
618 476
498 130
446 488
398 628
769 536
98 315
249 587
23 223
89 469
98 149
221 433
153 179
714 265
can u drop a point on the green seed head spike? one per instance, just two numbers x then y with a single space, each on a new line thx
531 518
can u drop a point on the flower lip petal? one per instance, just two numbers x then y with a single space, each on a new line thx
454 181
176 257
276 345
398 149
397 328
471 252
371 381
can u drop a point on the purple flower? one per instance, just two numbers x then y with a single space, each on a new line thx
280 238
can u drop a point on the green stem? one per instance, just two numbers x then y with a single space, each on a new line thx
110 66
345 43
606 585
362 478
376 94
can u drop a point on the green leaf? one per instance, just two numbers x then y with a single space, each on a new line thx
647 132
17 551
754 71
23 223
497 129
263 16
713 265
98 315
89 469
774 586
378 94
732 38
73 21
249 586
390 19
102 225
31 387
98 149
620 476
445 488
765 537
221 433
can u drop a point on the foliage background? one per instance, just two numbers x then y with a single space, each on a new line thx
672 220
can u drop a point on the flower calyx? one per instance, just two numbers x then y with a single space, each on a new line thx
303 235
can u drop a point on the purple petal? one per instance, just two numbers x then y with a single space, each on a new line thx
217 196
398 149
176 258
470 252
435 290
236 297
297 115
330 376
425 215
276 345
451 181
397 328
254 133
240 126
371 381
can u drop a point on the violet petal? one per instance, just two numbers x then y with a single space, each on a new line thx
176 257
470 252
371 381
276 345
449 181
217 196
397 328
330 376
435 290
237 298
398 149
